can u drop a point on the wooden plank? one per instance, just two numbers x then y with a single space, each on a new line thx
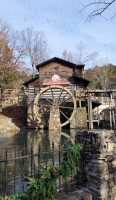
101 91
90 113
110 107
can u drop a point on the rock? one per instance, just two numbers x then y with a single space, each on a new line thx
106 177
114 188
109 147
110 158
114 149
73 198
111 184
86 196
114 163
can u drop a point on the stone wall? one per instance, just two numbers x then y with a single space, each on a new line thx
80 119
46 72
99 152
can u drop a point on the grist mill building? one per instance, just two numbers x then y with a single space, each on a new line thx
56 96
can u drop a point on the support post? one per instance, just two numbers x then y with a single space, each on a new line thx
90 113
112 110
110 107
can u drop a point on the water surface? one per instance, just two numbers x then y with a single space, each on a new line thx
27 142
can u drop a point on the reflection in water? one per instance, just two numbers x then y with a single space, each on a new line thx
21 144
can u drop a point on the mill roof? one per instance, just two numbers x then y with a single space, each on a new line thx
30 80
59 60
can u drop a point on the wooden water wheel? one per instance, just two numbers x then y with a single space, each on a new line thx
55 96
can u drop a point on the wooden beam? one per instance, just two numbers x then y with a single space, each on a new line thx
110 108
101 91
90 117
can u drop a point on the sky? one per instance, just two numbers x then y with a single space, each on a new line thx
64 26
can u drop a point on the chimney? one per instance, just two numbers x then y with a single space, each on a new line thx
79 69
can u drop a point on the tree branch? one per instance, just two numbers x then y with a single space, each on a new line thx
101 7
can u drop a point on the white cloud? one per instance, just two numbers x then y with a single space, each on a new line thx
63 25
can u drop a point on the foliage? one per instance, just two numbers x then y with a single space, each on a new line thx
45 187
11 57
17 48
101 77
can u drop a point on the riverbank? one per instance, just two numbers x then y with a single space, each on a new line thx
12 119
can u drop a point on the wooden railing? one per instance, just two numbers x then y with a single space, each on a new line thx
12 97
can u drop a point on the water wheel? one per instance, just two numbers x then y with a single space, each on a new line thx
51 96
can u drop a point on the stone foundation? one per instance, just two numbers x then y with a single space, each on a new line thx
54 120
79 121
99 152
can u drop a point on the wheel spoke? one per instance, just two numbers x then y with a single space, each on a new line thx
45 112
43 105
52 94
65 100
66 107
60 94
65 116
47 99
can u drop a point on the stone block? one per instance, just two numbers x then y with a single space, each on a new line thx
86 196
114 150
73 198
115 180
114 188
104 173
111 184
104 192
109 147
111 176
101 198
113 197
110 158
114 163
106 177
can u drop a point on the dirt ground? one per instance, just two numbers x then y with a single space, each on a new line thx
15 112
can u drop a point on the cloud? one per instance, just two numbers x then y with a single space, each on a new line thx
62 24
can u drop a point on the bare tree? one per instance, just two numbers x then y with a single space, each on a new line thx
80 56
11 37
35 46
99 8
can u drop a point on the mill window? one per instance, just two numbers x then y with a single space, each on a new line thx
37 89
56 70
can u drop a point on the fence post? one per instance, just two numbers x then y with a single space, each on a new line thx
31 160
59 165
39 160
46 156
15 173
23 168
6 156
53 152
110 107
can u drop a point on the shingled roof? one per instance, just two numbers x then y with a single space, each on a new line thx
62 61
31 80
